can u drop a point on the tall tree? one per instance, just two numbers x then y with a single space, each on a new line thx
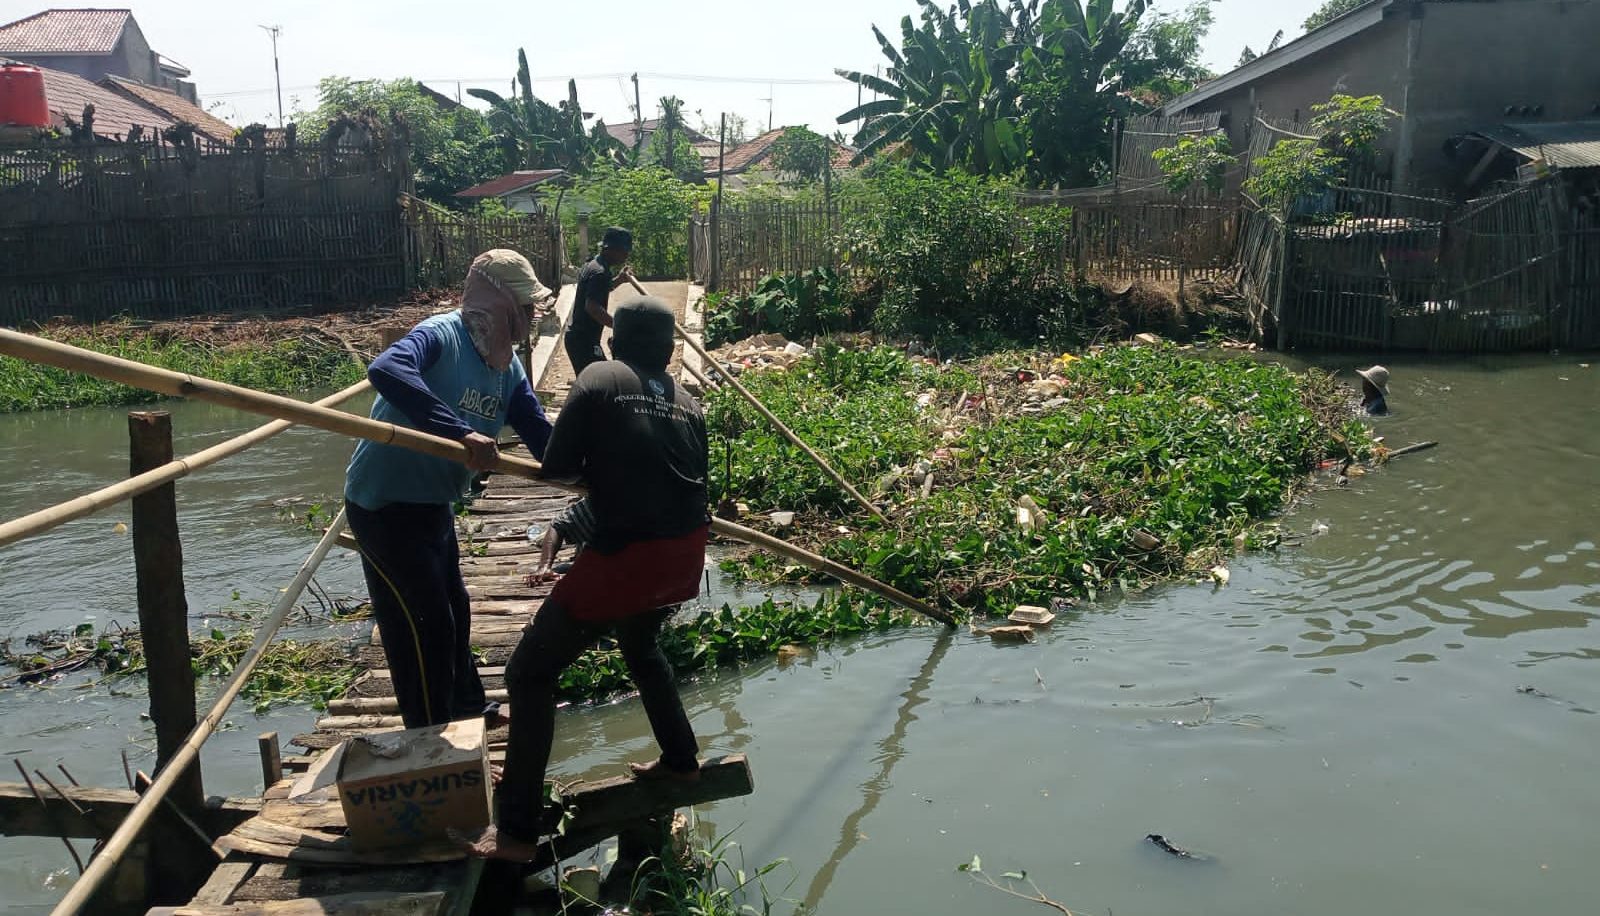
669 144
801 156
451 147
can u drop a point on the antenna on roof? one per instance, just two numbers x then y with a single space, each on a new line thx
277 76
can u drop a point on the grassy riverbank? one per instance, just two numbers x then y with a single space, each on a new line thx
1133 464
298 363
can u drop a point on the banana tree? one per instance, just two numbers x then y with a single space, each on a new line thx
948 92
535 134
1070 84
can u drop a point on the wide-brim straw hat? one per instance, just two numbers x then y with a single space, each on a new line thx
1378 376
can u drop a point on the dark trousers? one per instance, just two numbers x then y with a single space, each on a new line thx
413 571
549 644
582 353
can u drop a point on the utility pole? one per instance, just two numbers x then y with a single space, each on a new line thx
768 100
277 76
638 121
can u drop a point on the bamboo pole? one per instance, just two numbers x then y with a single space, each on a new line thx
167 777
65 356
90 503
771 418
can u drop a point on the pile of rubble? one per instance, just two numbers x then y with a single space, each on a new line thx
762 352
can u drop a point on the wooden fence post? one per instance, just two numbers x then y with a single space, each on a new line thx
163 608
164 631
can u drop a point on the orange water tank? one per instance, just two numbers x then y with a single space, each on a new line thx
22 98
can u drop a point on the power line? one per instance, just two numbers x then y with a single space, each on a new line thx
496 80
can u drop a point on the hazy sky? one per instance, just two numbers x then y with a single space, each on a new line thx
717 55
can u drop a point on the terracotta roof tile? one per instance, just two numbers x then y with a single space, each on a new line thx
173 105
113 114
65 32
508 184
742 158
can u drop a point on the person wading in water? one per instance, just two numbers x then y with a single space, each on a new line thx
591 308
638 441
456 376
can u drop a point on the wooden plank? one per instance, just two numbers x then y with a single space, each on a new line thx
227 877
428 903
103 809
271 759
320 882
389 705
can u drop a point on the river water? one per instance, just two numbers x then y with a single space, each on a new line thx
1339 729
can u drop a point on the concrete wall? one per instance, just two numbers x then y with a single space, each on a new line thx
133 53
131 58
1370 63
1476 59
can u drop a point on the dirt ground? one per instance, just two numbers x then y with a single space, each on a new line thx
558 378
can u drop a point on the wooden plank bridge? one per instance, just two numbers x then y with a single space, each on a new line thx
285 856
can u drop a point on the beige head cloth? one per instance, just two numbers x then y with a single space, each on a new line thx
495 301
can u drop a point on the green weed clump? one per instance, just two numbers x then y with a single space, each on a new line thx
280 367
1143 463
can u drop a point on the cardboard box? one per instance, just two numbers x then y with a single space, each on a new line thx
407 788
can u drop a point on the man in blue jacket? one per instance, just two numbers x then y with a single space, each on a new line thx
456 376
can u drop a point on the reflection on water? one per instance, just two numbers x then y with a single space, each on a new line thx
1394 716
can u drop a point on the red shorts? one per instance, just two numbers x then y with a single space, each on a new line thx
643 576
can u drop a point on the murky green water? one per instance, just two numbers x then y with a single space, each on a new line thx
1339 729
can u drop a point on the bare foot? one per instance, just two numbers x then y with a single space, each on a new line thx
497 773
492 844
656 770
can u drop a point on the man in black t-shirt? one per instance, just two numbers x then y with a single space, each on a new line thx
590 310
638 441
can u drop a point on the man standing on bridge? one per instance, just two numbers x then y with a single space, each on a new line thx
456 376
638 441
591 308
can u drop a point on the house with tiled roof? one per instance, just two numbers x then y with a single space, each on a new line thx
174 106
115 115
93 44
747 163
629 133
517 190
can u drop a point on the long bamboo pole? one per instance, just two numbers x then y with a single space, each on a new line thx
59 514
128 372
777 424
117 846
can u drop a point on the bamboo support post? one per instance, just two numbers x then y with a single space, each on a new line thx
82 891
771 417
90 503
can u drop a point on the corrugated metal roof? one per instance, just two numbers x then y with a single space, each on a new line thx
510 184
114 114
1563 144
174 105
65 32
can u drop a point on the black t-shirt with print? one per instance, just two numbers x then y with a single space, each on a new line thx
639 441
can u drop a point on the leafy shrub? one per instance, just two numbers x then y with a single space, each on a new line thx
1195 159
956 260
798 306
